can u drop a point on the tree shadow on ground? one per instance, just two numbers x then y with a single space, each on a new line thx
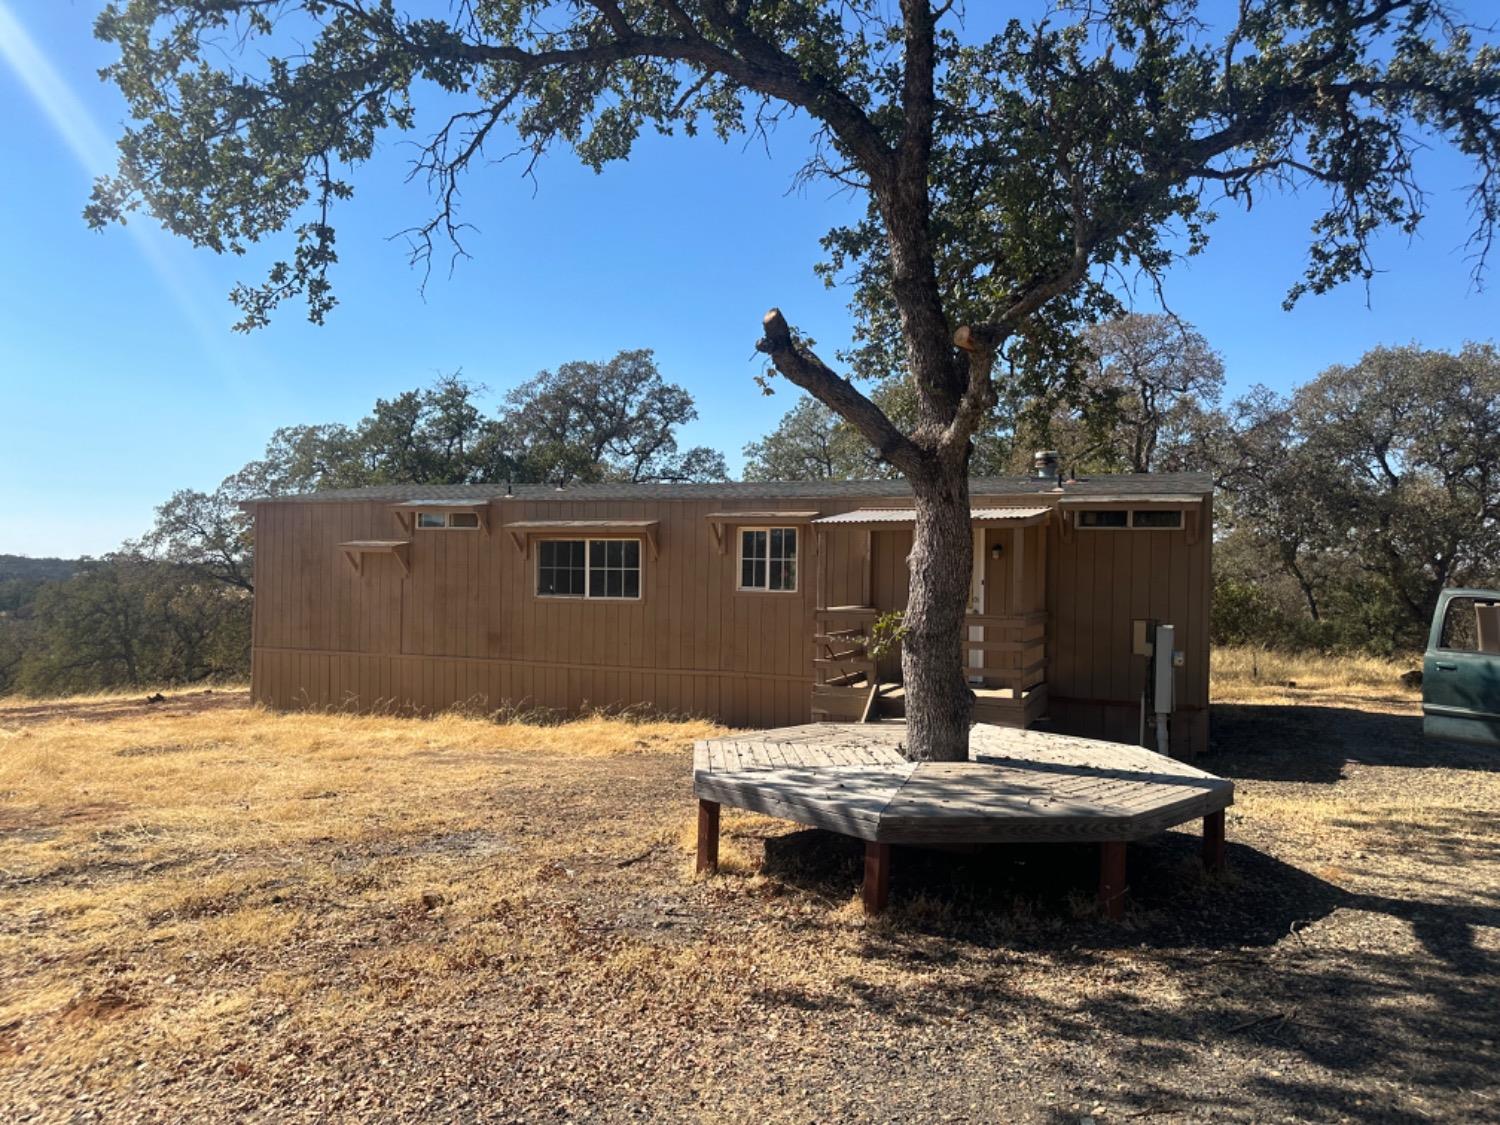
1039 895
1296 742
1313 1030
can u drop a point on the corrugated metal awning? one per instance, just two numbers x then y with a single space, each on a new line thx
866 517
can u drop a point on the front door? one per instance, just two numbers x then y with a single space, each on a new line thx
1001 553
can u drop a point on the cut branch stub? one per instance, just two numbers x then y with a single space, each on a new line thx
798 364
966 340
774 325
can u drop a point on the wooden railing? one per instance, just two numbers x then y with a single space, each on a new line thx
841 653
844 681
1014 647
845 675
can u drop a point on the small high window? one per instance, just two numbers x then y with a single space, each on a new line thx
768 559
1144 519
1104 519
588 568
1157 518
460 521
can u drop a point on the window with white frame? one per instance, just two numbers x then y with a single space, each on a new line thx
768 559
588 568
438 521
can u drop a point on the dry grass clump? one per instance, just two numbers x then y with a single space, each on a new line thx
1251 673
164 785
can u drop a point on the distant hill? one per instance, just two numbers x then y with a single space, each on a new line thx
35 570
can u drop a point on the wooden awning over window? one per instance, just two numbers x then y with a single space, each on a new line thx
356 549
1189 504
718 521
1156 500
524 531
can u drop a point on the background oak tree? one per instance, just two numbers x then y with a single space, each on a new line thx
1011 178
1371 488
1142 399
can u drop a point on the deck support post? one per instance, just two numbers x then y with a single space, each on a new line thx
708 836
877 886
1112 879
1213 842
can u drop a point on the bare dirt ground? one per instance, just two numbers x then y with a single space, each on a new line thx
220 913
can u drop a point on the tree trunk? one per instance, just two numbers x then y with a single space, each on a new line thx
938 700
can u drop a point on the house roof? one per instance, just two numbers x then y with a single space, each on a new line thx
1124 486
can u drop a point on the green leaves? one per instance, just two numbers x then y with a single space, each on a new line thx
1387 471
1068 161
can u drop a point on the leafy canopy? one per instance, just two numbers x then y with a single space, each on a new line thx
1093 132
1016 177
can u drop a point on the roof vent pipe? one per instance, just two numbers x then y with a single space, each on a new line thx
1045 463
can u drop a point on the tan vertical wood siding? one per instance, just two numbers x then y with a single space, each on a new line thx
465 627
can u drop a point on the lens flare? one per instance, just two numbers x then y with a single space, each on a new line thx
95 153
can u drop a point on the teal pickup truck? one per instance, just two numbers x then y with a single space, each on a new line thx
1461 669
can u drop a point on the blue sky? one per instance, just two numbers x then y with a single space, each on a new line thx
122 380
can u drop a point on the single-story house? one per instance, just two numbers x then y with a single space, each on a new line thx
747 602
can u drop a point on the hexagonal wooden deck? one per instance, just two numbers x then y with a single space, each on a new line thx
1021 786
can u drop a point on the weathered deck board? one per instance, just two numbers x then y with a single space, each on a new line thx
1021 786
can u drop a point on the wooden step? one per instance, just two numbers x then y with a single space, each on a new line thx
998 706
849 656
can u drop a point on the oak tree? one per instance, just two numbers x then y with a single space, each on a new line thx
615 420
1384 474
1011 178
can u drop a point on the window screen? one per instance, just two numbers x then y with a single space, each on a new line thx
463 519
768 558
431 519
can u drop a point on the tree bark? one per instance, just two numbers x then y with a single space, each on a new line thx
938 700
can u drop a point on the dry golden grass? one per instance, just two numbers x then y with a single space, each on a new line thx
211 912
1246 673
170 877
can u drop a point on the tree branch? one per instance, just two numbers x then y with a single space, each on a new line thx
800 366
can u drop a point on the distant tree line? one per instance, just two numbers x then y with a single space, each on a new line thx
174 605
1343 507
